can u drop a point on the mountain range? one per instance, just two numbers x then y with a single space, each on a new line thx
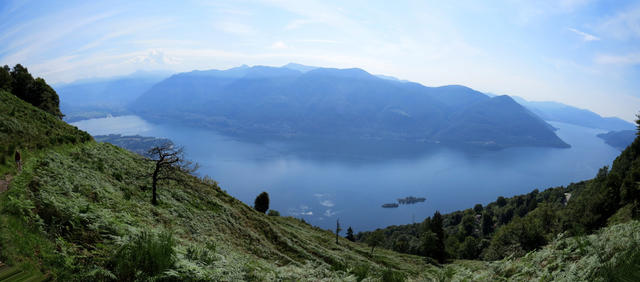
93 98
554 111
305 101
295 101
79 210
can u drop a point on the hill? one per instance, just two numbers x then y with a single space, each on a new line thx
517 228
270 102
80 210
77 207
619 139
101 97
554 111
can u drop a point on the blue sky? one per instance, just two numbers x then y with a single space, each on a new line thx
580 52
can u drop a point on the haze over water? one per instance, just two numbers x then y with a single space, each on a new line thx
320 185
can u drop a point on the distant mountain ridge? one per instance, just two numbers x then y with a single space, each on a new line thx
619 139
92 98
554 111
342 103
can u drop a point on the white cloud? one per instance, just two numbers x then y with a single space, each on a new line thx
627 59
155 57
585 36
279 45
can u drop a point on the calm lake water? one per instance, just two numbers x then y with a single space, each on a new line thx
320 185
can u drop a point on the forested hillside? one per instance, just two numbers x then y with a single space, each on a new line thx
520 224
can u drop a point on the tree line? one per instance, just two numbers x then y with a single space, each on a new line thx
35 91
523 223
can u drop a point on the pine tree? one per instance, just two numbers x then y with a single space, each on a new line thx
261 203
436 227
350 236
487 224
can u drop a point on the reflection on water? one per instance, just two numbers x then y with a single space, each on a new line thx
321 181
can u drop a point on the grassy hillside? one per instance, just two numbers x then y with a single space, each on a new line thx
80 210
27 128
76 208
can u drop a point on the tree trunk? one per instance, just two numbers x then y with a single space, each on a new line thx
371 255
154 200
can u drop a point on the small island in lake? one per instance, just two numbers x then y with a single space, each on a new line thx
392 205
411 200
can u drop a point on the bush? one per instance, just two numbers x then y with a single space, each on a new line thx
361 271
145 256
389 275
261 203
273 213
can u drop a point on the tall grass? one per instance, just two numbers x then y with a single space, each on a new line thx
146 255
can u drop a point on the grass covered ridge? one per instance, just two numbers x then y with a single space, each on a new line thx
77 205
26 128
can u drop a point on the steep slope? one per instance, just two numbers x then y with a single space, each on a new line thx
25 127
618 139
285 102
499 122
78 207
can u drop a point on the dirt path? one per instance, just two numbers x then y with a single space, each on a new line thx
4 183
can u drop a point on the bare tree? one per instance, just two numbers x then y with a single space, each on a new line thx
169 162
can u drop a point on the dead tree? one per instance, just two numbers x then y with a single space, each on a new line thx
170 165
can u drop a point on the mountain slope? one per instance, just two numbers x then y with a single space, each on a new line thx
88 99
285 102
619 139
553 111
509 124
76 206
81 212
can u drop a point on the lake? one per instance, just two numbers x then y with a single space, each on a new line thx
321 183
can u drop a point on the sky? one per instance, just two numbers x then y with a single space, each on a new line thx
579 52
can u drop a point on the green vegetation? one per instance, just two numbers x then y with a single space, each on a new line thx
34 91
80 211
524 223
26 128
261 203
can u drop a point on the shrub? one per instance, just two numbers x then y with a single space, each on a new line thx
273 213
361 271
261 203
145 256
389 275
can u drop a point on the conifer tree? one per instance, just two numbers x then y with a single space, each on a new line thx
350 236
261 203
436 227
